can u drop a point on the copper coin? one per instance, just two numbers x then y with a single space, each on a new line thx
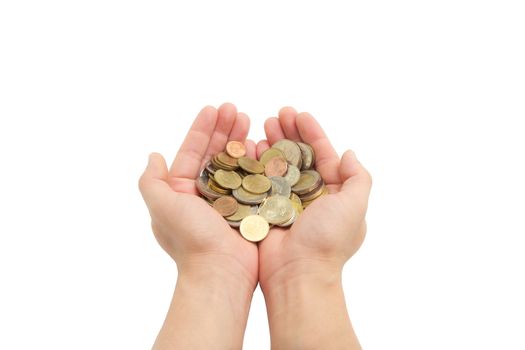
235 149
226 206
276 166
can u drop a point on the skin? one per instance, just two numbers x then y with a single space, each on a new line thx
299 269
217 268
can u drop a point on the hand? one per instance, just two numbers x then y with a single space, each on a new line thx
186 227
300 260
217 268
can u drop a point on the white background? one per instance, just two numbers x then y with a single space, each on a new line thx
430 95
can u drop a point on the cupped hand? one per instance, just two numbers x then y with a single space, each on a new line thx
333 227
186 227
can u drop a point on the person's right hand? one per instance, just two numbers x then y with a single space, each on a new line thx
194 234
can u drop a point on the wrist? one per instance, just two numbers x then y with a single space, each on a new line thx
307 309
219 276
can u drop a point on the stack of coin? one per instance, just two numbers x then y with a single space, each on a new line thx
254 194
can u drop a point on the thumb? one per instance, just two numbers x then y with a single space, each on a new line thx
356 182
153 182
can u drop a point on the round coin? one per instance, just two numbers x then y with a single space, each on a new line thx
202 186
226 160
280 187
307 155
251 165
292 175
256 183
277 209
254 228
291 151
269 154
242 212
277 166
227 179
235 149
308 181
226 205
246 197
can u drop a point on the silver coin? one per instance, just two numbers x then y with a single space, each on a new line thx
280 187
292 175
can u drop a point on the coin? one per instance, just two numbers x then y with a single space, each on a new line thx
250 165
291 221
292 175
252 194
227 179
215 187
235 149
307 155
296 203
309 180
246 197
210 168
226 205
269 154
241 212
226 160
276 166
256 183
276 209
202 186
291 151
280 187
254 228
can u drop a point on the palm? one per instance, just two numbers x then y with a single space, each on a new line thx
331 226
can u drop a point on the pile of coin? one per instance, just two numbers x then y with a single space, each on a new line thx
254 194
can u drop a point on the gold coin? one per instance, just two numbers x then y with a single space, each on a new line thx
235 149
277 209
227 179
324 192
215 187
242 212
256 183
269 154
226 205
254 228
308 181
291 151
307 155
227 160
251 165
276 166
246 197
313 194
296 203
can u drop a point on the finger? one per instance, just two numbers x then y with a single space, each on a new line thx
250 148
261 147
326 158
357 182
273 130
287 116
227 114
189 158
153 182
240 128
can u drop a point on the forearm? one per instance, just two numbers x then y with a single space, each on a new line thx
309 312
209 310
